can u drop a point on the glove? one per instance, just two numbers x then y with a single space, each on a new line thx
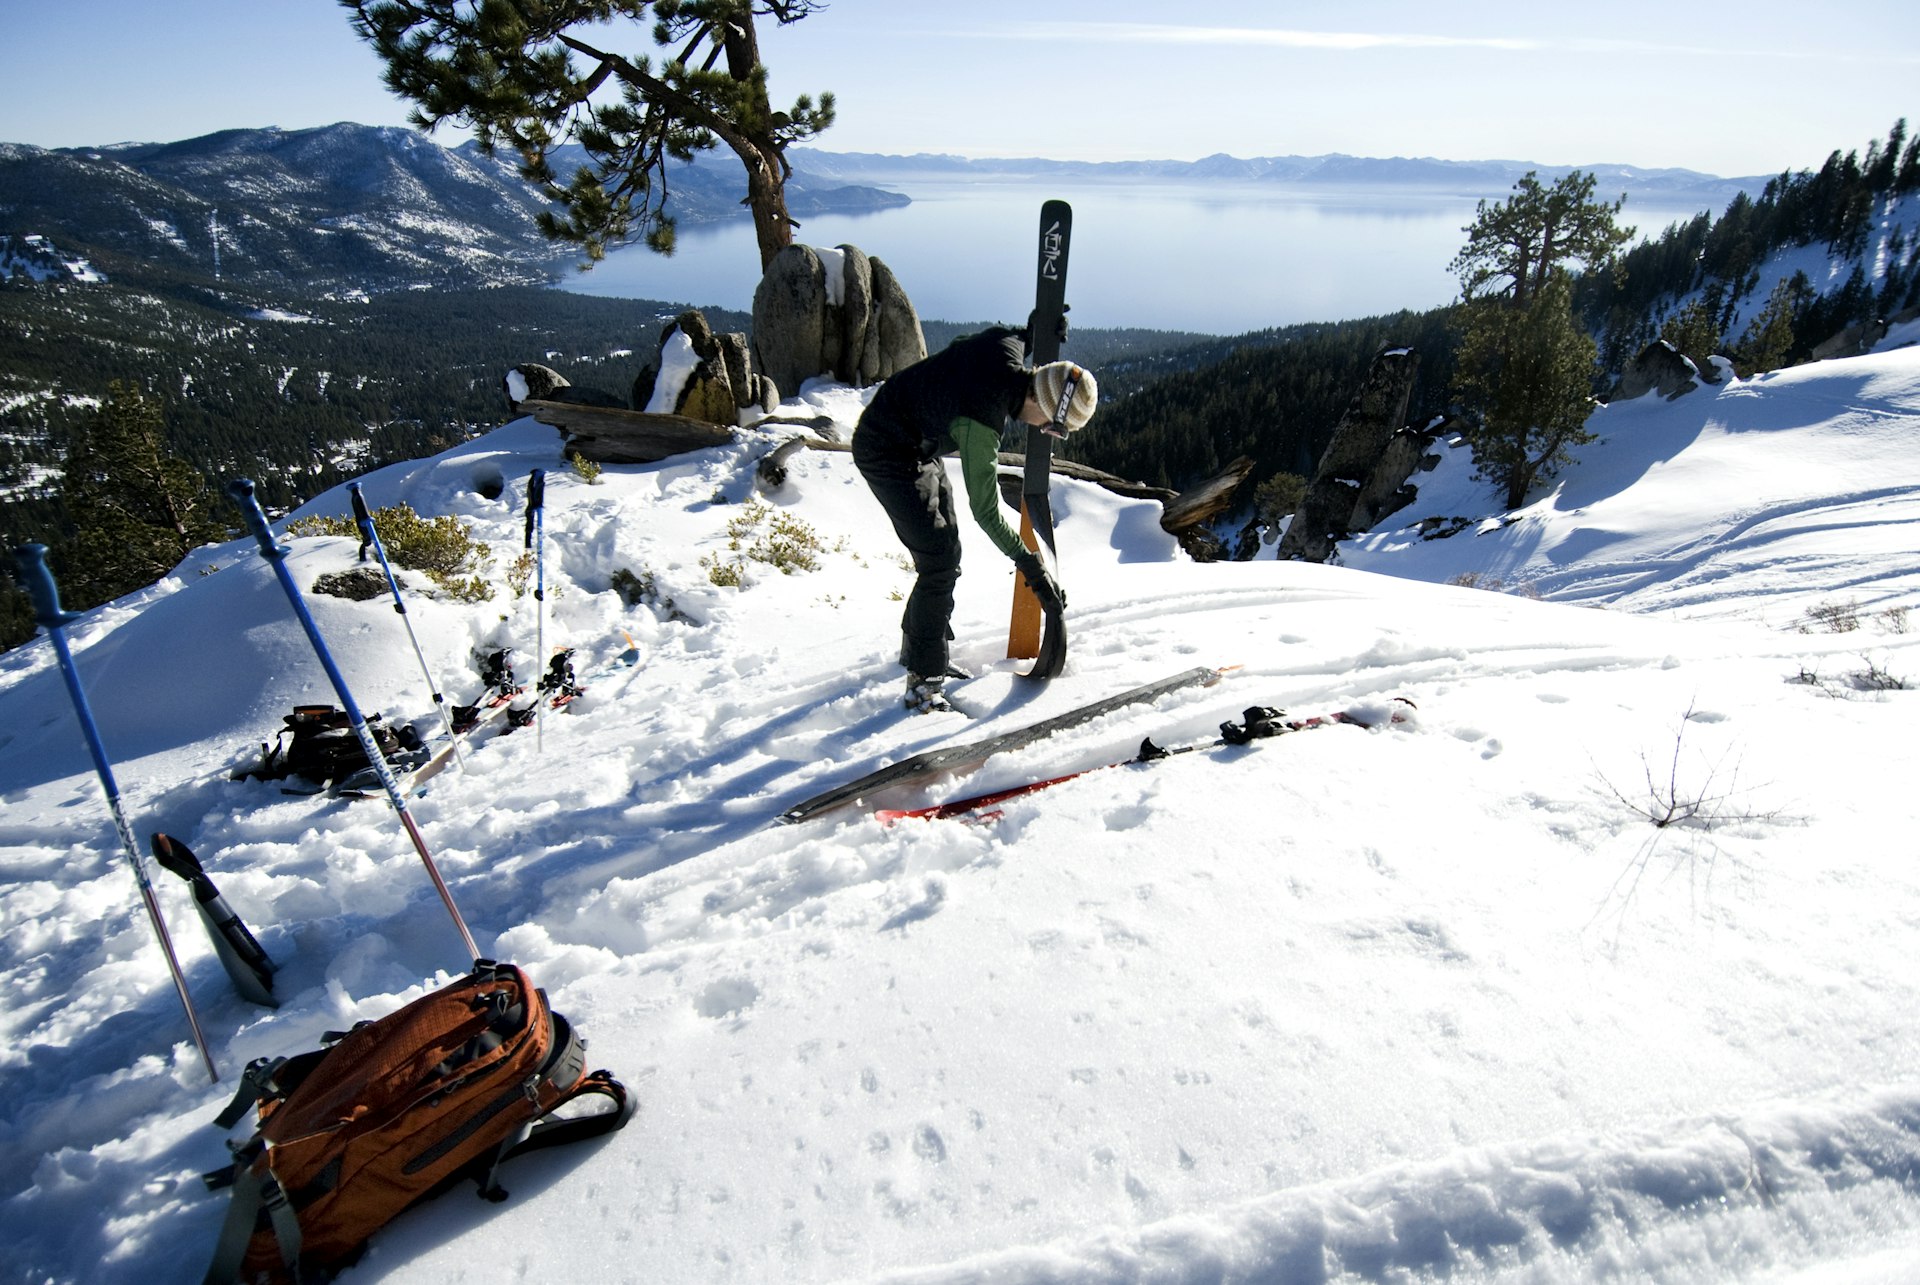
1059 330
1053 600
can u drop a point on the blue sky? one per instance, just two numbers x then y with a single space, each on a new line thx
1734 90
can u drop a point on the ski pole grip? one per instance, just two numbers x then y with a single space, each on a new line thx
240 491
30 560
364 520
536 499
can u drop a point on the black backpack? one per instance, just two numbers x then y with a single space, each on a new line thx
318 744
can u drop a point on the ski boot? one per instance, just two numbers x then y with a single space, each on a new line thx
927 695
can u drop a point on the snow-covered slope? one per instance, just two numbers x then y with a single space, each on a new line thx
1428 1001
1755 498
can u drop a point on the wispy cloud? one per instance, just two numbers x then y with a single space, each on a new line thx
1156 33
1144 33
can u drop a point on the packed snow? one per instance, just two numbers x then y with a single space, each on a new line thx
1435 1000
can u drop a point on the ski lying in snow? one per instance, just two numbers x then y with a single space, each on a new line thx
1257 723
243 958
955 757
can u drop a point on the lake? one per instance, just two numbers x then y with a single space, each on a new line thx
1219 259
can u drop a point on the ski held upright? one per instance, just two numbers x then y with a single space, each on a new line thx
1025 631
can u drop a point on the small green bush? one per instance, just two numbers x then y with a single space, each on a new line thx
1277 497
441 547
633 590
520 575
787 543
722 572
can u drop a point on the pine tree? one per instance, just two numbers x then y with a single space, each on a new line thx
1526 367
1694 331
1525 375
1907 179
1514 247
1769 336
137 510
507 68
1893 286
1883 164
16 615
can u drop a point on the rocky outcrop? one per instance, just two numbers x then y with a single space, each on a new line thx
790 317
356 584
1660 368
1363 473
1856 339
894 338
1863 336
532 382
836 312
702 375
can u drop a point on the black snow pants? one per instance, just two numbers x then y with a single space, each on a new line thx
919 501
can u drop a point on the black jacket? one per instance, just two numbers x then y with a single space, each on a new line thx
981 377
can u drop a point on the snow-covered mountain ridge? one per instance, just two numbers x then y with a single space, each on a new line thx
379 207
1433 1001
340 206
1492 179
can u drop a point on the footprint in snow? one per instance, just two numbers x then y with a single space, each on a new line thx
726 998
929 1145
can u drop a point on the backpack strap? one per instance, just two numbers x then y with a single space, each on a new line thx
564 1065
550 1132
256 1082
270 758
251 1194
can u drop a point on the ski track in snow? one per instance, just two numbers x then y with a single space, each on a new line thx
1699 1192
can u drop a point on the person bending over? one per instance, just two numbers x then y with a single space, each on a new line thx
956 400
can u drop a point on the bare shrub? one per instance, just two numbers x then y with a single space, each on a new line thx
1682 793
1830 618
1494 584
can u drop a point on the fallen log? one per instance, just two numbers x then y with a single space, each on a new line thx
1086 473
610 435
1012 467
1210 499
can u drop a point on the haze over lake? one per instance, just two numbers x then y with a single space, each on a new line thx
1221 258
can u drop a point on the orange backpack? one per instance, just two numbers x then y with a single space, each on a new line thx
398 1110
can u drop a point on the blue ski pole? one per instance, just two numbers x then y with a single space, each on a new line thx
37 579
240 490
371 537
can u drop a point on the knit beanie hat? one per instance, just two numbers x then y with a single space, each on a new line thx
1050 380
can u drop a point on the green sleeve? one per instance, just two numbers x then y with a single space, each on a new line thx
979 468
